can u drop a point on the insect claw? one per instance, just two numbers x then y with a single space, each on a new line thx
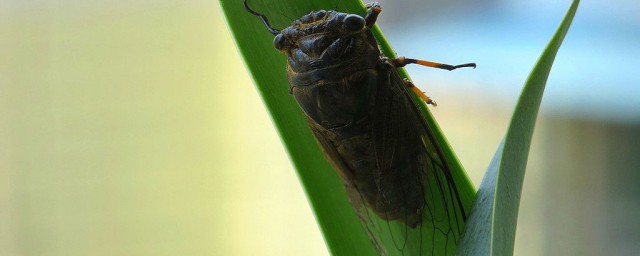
432 103
467 65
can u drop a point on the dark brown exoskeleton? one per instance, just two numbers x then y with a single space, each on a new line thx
362 112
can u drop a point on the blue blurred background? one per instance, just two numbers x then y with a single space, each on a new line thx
133 128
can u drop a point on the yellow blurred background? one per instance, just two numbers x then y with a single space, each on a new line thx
133 128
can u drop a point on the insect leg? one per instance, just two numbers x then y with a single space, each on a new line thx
373 9
420 94
402 61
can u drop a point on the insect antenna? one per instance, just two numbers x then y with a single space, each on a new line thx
263 18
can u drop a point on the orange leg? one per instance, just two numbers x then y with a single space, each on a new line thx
420 94
402 61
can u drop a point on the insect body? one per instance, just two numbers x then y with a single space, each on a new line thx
362 112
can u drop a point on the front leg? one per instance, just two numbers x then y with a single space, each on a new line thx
373 10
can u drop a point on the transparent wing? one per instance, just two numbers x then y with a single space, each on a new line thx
402 134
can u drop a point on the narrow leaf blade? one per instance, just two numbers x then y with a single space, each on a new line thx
342 230
491 228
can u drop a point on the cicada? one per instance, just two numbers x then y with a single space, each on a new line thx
368 123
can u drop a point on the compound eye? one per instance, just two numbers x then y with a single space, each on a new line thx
353 22
279 42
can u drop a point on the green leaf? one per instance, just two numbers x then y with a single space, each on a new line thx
491 228
342 230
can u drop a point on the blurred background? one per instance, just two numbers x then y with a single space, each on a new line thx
133 128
